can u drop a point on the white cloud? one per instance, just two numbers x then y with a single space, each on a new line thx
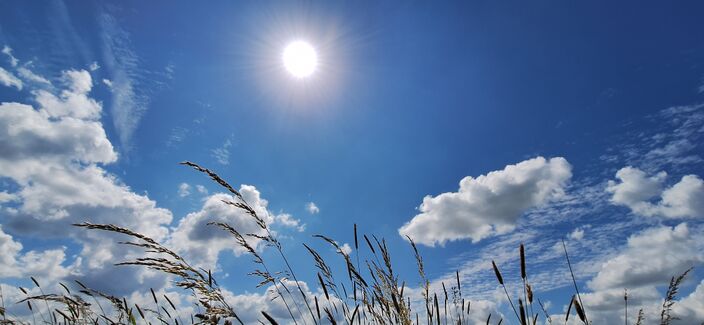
247 305
480 311
604 235
648 261
480 307
47 264
178 134
31 137
184 302
345 248
9 80
184 190
606 306
690 310
79 81
31 76
489 204
673 152
202 243
650 258
129 96
675 143
577 234
107 82
20 312
53 154
312 208
250 305
7 197
684 199
94 66
222 154
636 190
289 221
8 51
72 102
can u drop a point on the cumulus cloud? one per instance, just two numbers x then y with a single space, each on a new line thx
53 154
312 208
481 309
72 102
201 189
645 195
608 304
650 258
489 204
47 264
635 188
31 137
648 261
250 305
288 220
202 243
690 309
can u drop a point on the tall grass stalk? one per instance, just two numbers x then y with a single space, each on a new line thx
574 281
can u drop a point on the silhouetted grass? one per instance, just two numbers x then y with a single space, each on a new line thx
377 295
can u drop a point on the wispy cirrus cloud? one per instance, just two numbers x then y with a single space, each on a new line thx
222 153
673 141
10 80
8 51
129 96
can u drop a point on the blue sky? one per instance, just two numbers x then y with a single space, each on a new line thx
585 120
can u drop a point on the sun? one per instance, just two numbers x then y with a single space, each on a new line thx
300 59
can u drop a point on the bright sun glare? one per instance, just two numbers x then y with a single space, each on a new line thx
300 59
